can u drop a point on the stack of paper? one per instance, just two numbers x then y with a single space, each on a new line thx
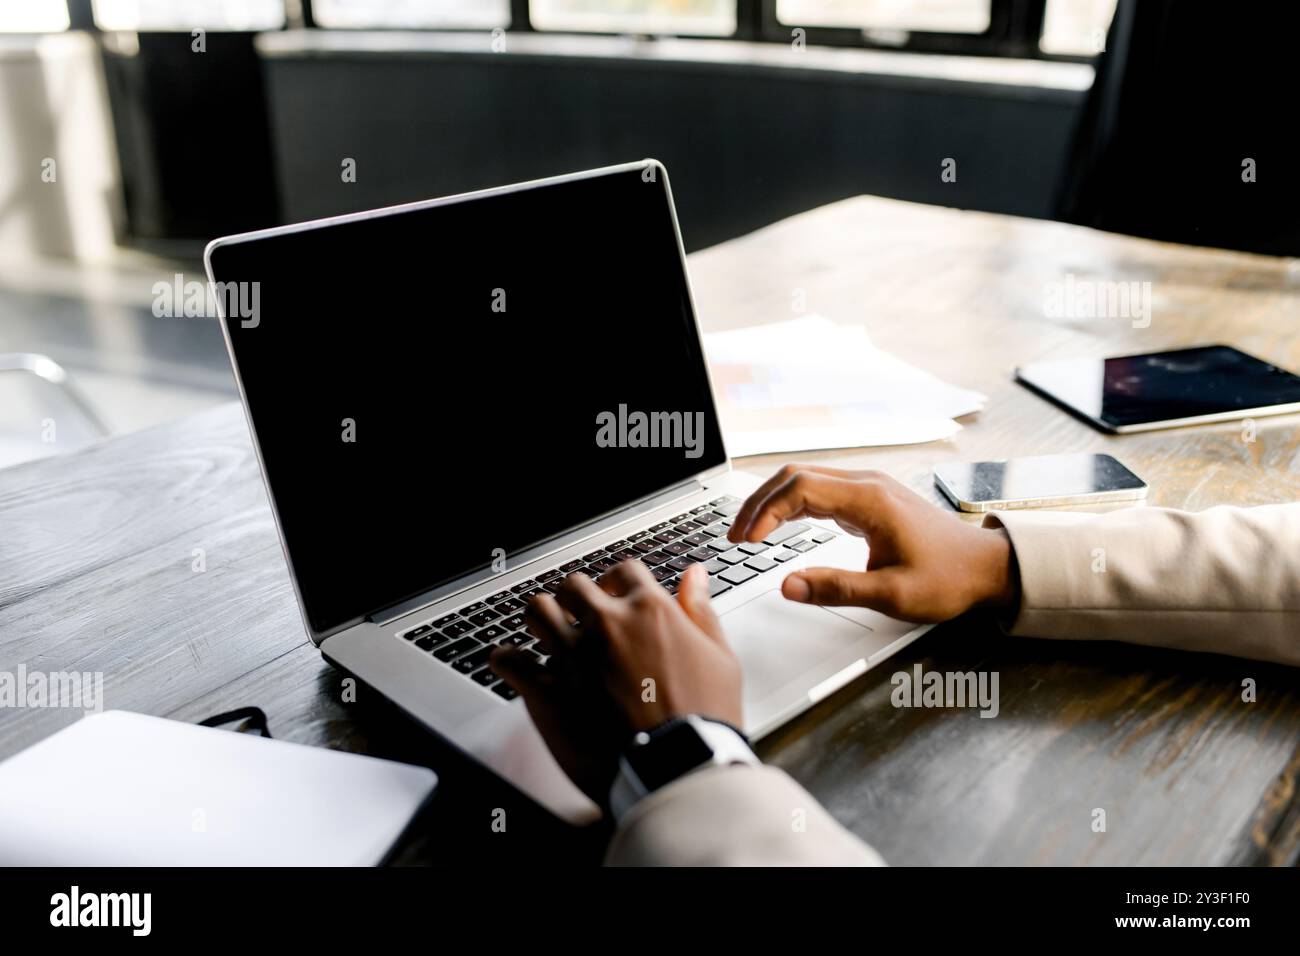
809 383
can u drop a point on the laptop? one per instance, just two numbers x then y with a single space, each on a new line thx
457 403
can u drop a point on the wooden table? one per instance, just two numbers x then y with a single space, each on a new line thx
98 550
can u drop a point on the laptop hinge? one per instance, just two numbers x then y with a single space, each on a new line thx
390 614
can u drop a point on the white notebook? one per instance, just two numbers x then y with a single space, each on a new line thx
123 789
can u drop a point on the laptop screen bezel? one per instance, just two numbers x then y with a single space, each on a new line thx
440 590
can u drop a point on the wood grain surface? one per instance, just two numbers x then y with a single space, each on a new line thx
98 549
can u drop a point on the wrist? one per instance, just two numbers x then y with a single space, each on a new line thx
677 748
1000 572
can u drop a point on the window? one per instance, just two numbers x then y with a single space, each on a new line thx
466 14
691 17
1073 29
935 16
189 14
34 16
1076 27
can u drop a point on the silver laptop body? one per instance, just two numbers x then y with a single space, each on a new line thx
792 655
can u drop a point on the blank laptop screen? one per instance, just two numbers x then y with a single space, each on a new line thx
434 388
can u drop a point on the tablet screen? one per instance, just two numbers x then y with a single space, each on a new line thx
1160 387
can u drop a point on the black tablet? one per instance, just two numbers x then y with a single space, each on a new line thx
1133 393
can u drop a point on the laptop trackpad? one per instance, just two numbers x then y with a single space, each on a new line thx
786 648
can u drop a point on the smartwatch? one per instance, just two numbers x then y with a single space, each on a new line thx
670 751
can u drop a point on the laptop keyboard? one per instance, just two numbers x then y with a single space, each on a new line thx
463 640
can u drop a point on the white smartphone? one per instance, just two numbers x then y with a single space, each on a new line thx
1044 481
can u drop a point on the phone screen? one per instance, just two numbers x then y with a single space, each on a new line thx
1046 476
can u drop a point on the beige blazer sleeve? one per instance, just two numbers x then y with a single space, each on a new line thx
735 816
1225 580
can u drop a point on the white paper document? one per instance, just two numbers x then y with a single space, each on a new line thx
809 383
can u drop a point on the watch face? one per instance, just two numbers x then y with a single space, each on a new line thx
671 752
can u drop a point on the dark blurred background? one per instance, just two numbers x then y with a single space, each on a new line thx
134 131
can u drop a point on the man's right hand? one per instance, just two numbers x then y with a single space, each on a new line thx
924 564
